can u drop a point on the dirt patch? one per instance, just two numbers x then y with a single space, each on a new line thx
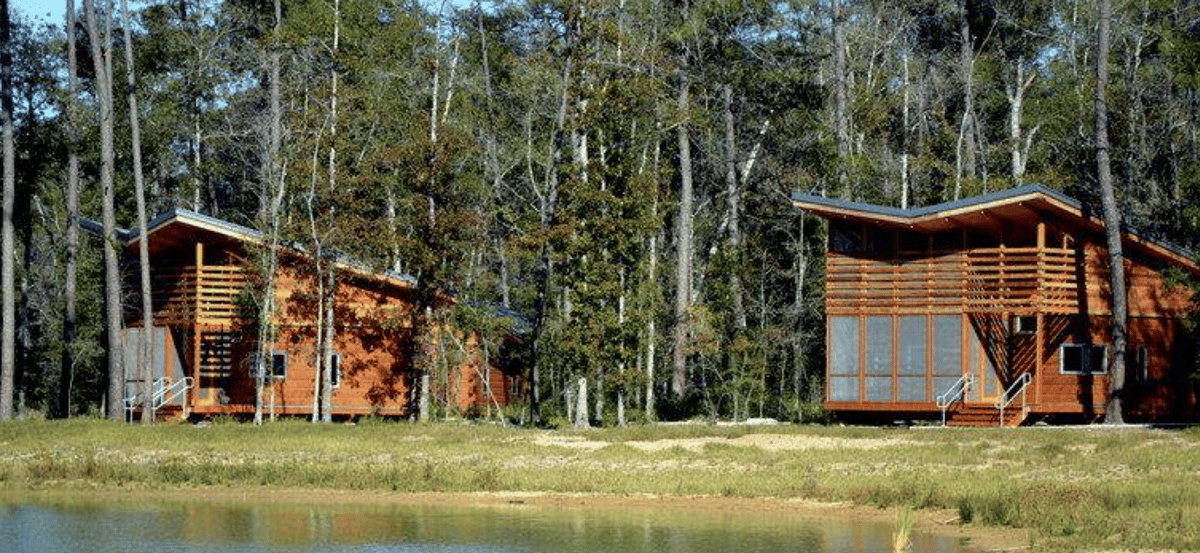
768 442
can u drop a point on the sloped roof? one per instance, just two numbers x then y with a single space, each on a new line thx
1022 205
168 229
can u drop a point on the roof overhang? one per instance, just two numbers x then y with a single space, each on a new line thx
171 229
1026 205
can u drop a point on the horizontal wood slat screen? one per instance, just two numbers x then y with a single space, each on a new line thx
207 296
981 280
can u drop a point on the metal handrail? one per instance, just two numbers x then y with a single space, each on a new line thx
165 394
163 391
956 392
1010 394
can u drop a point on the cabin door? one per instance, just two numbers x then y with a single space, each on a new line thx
987 385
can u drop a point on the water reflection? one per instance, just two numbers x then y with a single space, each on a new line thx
208 526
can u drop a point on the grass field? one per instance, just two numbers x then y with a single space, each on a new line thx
1071 488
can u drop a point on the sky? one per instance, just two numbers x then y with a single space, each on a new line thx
38 9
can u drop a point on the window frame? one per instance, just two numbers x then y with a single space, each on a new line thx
1137 365
1087 351
1024 325
335 375
278 374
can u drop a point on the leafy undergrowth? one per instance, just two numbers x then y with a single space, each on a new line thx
1072 488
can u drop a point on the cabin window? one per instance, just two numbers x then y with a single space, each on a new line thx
1137 365
335 375
913 242
879 358
880 242
982 240
845 238
1024 324
843 358
279 363
912 330
1083 359
947 351
951 240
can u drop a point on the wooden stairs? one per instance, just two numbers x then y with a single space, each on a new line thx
984 415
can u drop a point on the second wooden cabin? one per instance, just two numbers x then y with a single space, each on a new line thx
205 341
996 310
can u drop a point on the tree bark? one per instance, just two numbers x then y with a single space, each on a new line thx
1016 101
964 160
272 198
71 261
328 300
144 337
683 246
841 107
581 401
102 62
8 311
1112 221
734 199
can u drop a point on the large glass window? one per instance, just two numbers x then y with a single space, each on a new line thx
879 358
913 342
947 352
843 358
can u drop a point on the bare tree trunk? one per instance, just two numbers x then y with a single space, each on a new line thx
581 401
327 301
964 160
1112 222
8 311
799 272
102 62
318 346
272 197
651 330
1016 101
67 375
683 248
841 108
428 352
327 336
144 337
734 193
904 145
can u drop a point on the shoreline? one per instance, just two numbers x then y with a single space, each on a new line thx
937 522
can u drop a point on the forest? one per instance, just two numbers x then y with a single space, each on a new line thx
618 172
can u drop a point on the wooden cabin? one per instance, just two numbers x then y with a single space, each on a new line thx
995 310
205 342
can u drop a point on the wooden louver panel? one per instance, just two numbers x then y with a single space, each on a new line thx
185 295
981 280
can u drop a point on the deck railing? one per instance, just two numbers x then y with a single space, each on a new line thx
978 280
1017 388
162 392
956 392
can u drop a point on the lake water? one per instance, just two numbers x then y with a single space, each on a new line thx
243 526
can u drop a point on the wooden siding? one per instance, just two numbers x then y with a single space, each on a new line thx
1064 289
197 282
